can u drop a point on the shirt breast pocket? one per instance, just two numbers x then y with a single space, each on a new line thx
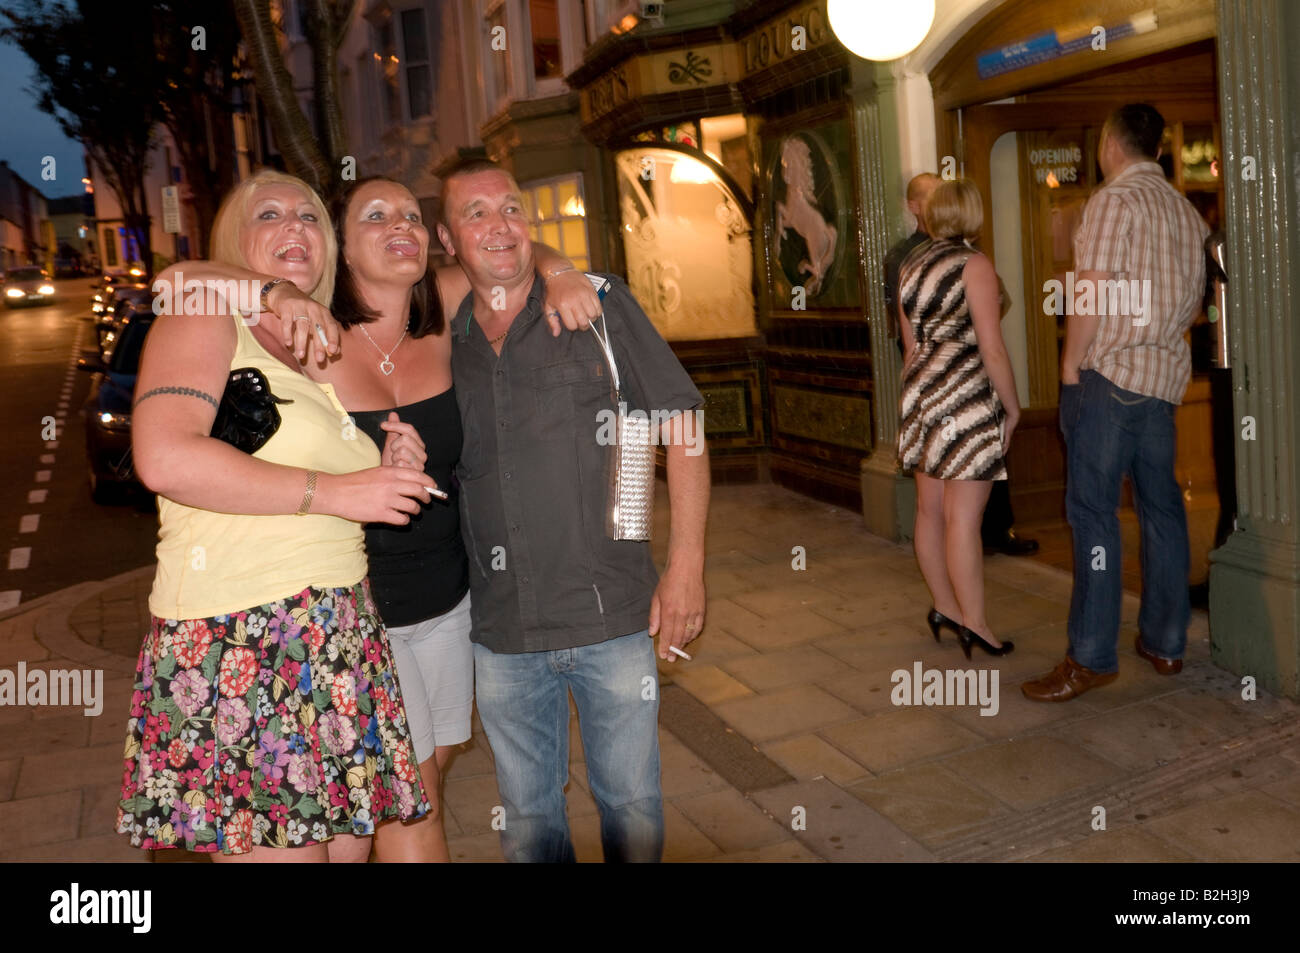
570 395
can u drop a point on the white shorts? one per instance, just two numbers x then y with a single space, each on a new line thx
435 667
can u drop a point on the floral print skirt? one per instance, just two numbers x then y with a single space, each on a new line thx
278 726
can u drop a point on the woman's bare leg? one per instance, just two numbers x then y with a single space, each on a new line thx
928 541
420 841
963 509
312 854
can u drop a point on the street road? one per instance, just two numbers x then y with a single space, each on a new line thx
51 534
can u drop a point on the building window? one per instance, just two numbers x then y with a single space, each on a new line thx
686 237
557 217
606 16
496 56
544 20
367 72
110 248
415 62
389 93
529 46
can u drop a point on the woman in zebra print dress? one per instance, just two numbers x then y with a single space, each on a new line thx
958 407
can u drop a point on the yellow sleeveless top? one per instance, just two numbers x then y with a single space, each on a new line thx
219 563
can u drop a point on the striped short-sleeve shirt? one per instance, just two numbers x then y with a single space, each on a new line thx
1150 239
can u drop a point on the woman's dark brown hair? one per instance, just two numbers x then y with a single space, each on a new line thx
348 308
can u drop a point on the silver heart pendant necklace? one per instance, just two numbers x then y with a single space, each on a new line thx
385 365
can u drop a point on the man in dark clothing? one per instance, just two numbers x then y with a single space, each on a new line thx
918 190
558 606
996 529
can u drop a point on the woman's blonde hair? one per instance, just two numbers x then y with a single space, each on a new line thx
226 247
954 209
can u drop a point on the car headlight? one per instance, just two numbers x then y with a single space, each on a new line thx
136 272
98 298
14 292
115 421
45 289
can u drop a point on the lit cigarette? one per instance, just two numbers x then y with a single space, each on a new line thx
440 494
674 649
324 341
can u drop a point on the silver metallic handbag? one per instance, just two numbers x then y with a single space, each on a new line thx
629 510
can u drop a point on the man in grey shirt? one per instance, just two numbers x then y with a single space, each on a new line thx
557 605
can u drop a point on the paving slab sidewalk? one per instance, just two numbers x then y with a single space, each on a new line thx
781 740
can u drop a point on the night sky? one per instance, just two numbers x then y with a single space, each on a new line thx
27 134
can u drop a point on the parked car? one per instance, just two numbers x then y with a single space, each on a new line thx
102 292
125 300
107 412
27 284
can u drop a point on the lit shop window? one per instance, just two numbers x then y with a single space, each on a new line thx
558 217
687 241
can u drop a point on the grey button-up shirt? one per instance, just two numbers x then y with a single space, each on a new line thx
534 481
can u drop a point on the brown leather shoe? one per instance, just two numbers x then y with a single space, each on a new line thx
1164 666
1068 680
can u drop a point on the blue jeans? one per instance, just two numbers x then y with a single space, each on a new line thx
523 702
1108 432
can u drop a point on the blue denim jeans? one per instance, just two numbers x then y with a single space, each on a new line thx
1108 432
523 702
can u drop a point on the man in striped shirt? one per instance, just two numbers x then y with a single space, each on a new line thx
1140 273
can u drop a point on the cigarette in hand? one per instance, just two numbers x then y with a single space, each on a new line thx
674 649
440 494
324 341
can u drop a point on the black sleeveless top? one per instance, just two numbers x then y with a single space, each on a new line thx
420 570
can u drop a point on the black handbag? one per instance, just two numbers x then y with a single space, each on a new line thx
246 417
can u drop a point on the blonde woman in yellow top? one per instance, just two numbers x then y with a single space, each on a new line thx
266 722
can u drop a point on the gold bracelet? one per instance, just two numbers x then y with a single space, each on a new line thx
311 491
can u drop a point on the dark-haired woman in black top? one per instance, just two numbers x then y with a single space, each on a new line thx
394 378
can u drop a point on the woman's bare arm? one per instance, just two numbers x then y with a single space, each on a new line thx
183 373
234 288
982 296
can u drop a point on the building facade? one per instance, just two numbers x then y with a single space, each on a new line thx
745 172
26 234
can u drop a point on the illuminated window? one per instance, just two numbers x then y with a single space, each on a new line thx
557 216
686 235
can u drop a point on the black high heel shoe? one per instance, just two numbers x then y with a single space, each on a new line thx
967 638
937 620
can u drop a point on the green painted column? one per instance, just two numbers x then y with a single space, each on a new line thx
1255 575
888 498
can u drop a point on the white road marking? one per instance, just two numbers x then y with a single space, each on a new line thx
36 496
51 445
20 557
28 523
10 598
42 476
47 458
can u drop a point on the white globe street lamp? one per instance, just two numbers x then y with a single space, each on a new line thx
880 29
